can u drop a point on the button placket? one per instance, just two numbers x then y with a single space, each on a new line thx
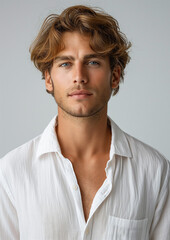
74 187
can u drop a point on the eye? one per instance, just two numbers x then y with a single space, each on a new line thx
65 64
93 63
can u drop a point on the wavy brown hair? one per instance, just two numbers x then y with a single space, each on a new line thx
105 37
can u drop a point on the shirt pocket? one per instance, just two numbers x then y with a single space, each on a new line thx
125 229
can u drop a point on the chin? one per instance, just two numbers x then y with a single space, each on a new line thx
81 114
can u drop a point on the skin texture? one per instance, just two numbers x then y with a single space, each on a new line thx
82 83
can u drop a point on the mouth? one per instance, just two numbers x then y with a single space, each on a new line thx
80 94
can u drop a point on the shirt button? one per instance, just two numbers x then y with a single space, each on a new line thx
87 231
75 187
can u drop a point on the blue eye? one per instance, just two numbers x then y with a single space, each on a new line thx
65 64
93 63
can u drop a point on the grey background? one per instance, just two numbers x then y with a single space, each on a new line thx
142 107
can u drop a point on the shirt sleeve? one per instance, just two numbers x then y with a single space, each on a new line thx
9 229
160 228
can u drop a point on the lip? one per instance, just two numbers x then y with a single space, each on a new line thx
80 93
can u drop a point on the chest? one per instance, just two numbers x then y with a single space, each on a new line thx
46 209
90 179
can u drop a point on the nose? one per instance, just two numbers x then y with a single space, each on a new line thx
80 74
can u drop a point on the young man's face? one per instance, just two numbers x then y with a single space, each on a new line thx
83 81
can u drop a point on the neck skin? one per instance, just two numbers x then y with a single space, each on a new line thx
84 139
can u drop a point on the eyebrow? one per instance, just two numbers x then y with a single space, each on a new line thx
85 58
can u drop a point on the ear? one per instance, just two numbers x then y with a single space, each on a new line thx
48 81
116 76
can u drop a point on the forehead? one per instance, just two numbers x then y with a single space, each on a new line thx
75 45
67 36
74 41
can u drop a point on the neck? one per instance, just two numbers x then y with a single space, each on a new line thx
83 138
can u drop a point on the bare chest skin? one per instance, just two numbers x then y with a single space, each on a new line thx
89 168
90 178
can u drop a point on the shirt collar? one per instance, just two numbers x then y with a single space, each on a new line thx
49 142
119 143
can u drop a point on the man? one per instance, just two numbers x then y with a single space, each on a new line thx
83 178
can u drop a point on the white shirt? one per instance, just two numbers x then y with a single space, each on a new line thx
40 198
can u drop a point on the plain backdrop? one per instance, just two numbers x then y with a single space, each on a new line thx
142 107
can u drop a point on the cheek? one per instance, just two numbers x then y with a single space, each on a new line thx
101 79
60 82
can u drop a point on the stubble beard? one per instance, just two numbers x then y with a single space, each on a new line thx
91 113
94 112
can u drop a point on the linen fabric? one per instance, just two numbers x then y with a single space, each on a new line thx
40 198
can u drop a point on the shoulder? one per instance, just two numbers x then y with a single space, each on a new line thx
148 158
20 157
143 150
